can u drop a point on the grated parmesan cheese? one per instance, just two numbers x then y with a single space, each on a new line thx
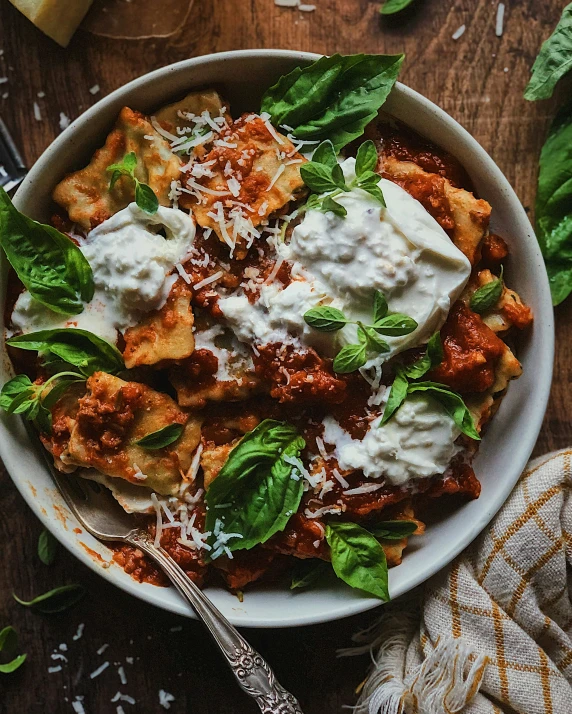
458 32
37 112
99 670
77 705
165 699
79 632
183 273
94 89
64 121
207 281
499 24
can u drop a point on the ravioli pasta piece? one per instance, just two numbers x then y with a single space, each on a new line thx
86 195
165 334
196 103
469 215
268 182
113 415
510 311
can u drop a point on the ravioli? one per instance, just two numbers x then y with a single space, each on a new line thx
466 217
165 334
510 311
172 116
113 415
266 171
86 195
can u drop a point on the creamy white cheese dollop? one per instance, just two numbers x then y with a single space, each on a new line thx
131 262
417 442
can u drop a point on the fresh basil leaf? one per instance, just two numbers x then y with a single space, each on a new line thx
452 403
380 307
126 166
21 384
80 348
390 7
350 358
393 530
318 177
162 437
487 296
338 177
328 204
308 571
47 547
334 97
48 263
22 402
314 203
8 638
12 666
374 190
325 154
358 559
56 600
59 388
395 325
325 318
43 419
115 176
258 488
397 395
432 357
553 61
554 205
374 341
366 158
145 198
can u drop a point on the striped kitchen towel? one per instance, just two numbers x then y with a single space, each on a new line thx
491 633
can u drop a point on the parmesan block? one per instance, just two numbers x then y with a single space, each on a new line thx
58 19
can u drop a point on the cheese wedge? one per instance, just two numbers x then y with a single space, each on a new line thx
58 19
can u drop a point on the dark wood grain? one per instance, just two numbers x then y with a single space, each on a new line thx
479 80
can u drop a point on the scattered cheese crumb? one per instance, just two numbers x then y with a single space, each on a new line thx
499 25
41 95
64 121
458 32
99 670
94 89
53 670
165 698
121 673
3 80
102 649
80 629
77 705
37 112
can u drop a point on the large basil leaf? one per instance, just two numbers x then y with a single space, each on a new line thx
47 262
80 348
258 489
333 98
358 559
162 437
553 61
452 403
554 205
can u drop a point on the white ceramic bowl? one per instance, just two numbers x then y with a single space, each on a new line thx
242 77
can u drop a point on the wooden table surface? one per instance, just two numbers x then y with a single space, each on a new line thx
479 80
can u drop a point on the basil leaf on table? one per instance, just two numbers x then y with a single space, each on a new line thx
554 60
393 530
80 348
307 571
54 601
9 641
258 488
162 437
390 7
358 559
487 296
47 547
334 97
554 205
452 403
47 262
325 318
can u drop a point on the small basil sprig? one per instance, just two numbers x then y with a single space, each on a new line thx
33 401
334 97
307 571
487 296
162 437
145 197
56 600
432 357
358 559
257 489
47 547
452 402
49 264
323 174
390 7
9 641
80 348
353 356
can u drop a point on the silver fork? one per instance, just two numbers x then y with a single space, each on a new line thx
99 513
12 168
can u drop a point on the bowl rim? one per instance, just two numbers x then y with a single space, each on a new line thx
438 561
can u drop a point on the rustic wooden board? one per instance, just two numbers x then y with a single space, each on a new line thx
479 80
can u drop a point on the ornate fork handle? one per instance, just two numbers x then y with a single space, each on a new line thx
252 672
